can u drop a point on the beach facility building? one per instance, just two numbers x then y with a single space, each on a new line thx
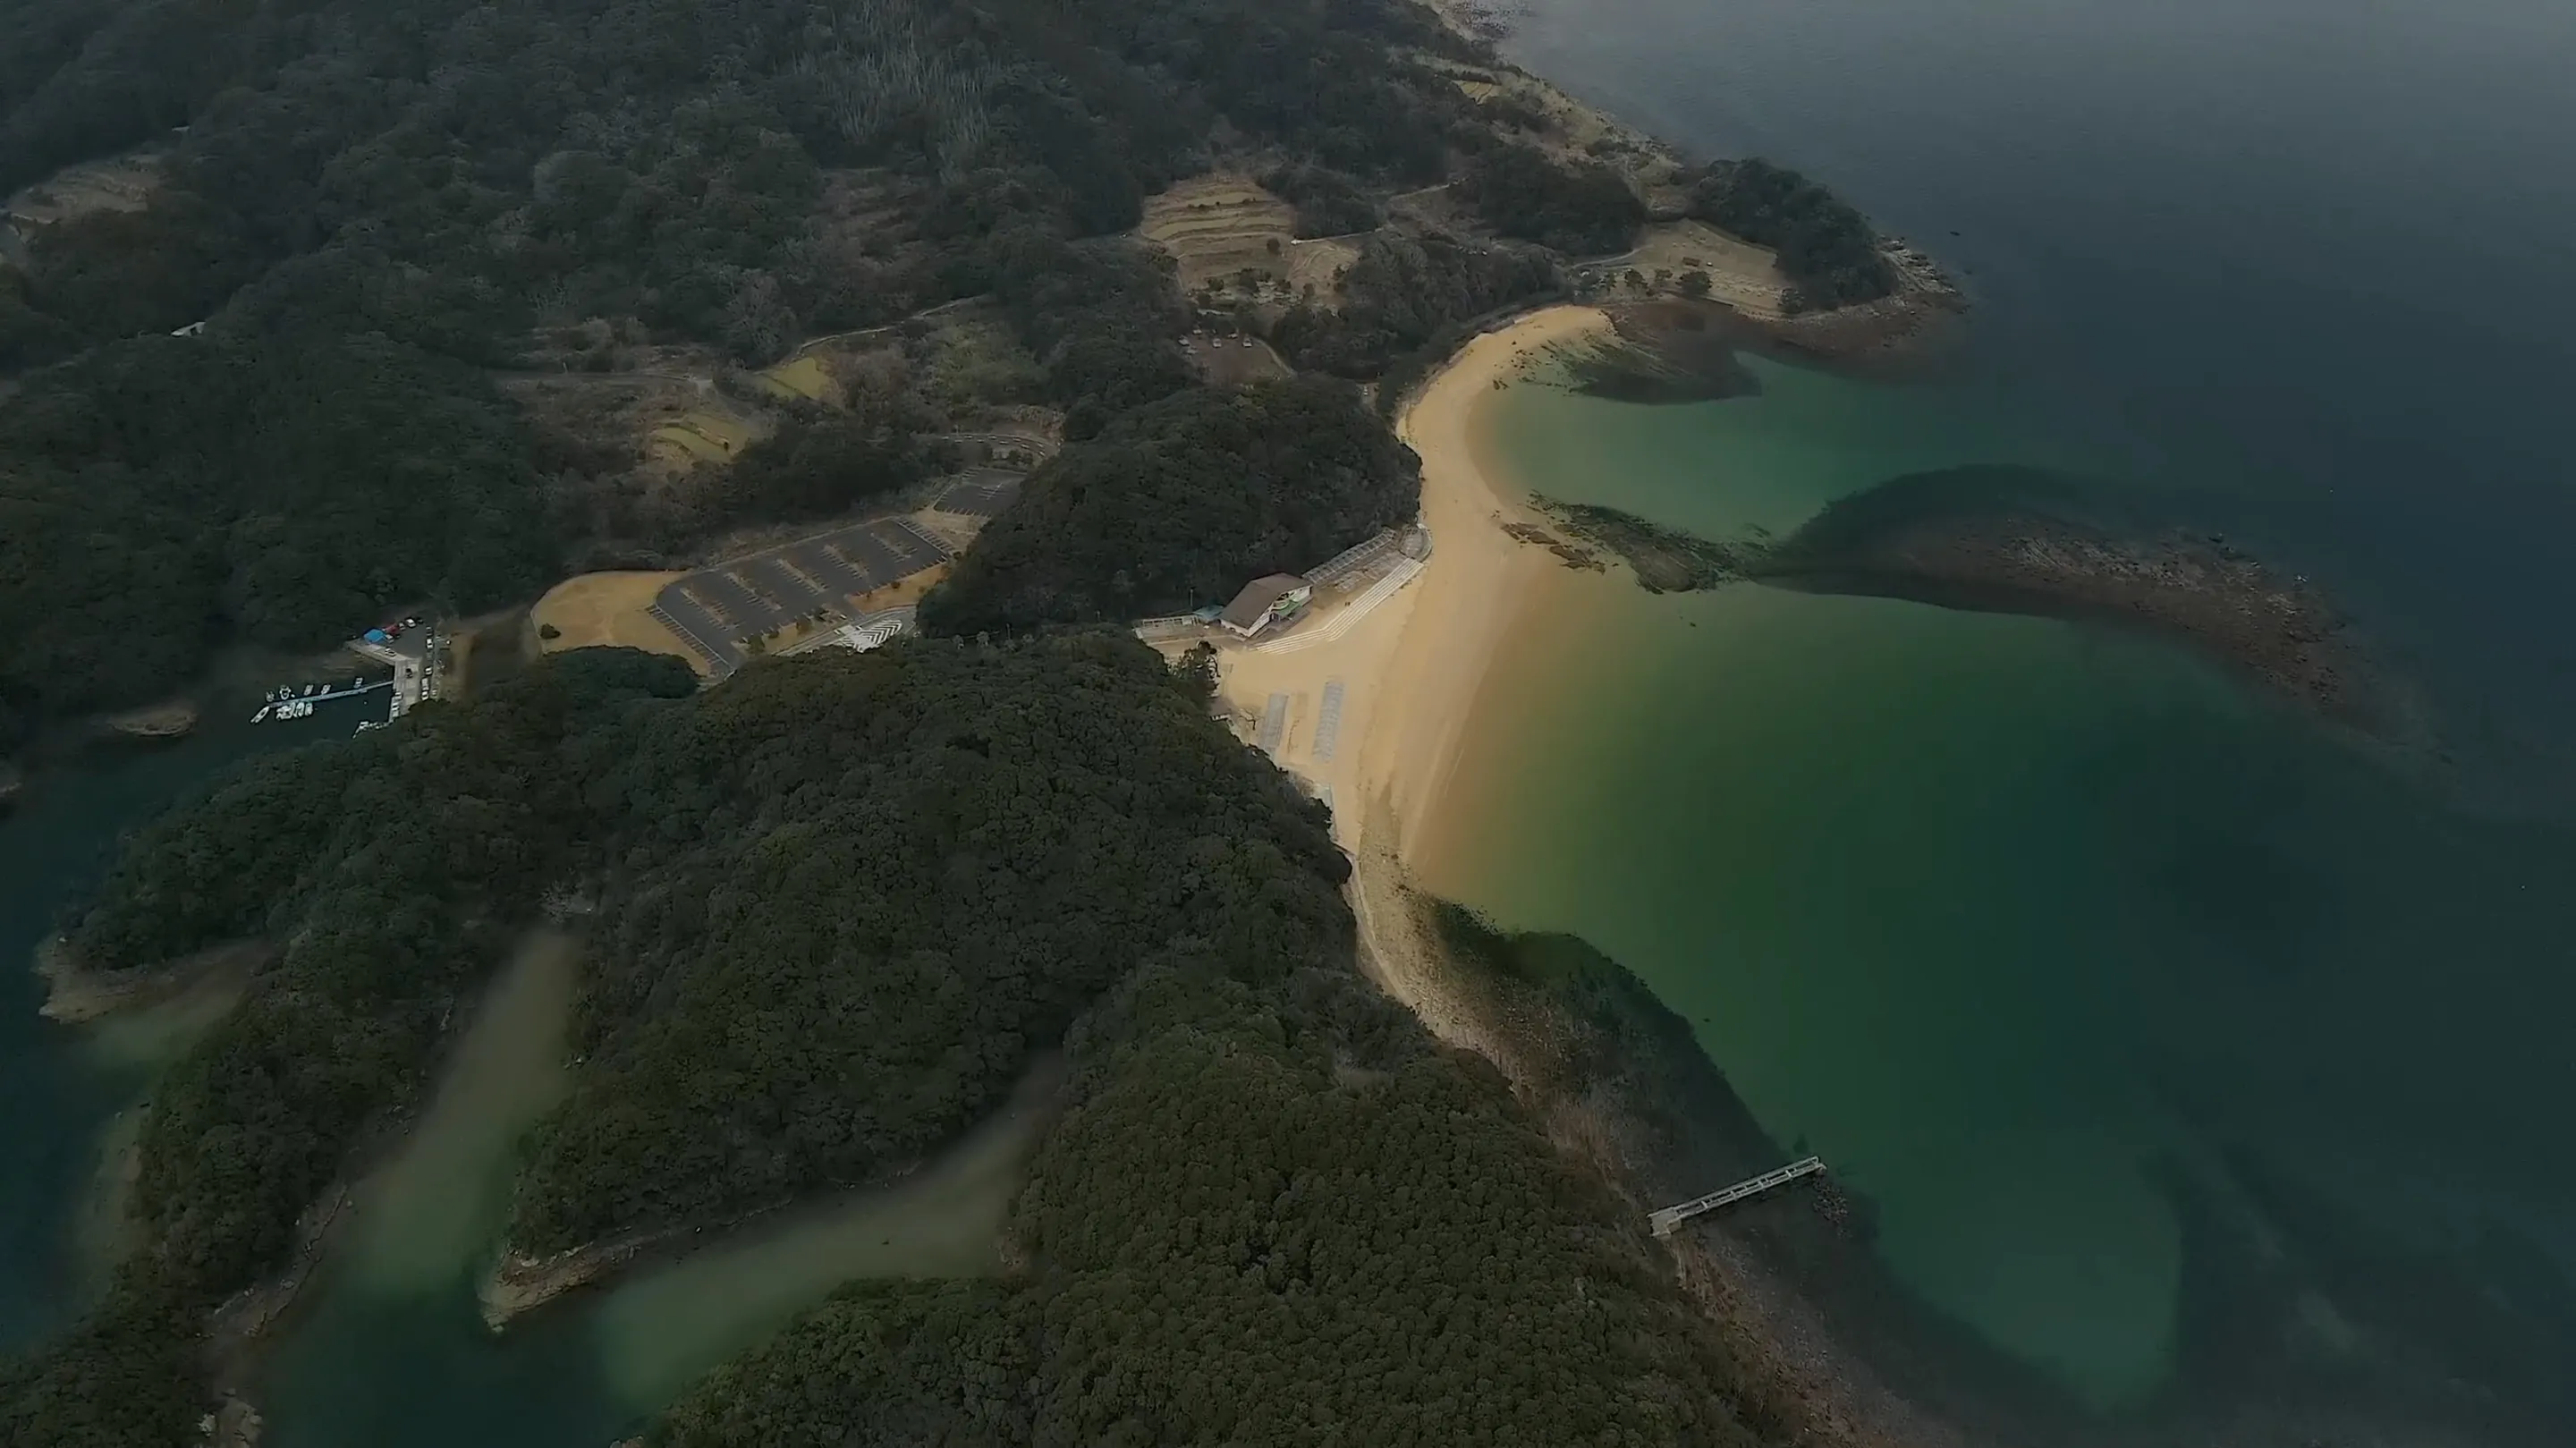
1265 601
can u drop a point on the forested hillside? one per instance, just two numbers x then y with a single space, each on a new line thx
1827 250
821 947
417 189
415 857
833 906
420 191
1275 1214
1182 503
164 496
824 950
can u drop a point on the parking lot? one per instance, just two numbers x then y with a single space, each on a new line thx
718 608
981 493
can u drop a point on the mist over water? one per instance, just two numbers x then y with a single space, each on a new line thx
2013 920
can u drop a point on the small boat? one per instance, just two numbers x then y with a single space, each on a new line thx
261 716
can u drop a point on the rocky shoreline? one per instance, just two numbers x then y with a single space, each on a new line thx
1664 560
76 994
2012 540
173 719
520 1284
1963 539
1619 1084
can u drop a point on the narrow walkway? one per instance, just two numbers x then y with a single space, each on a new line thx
1343 622
1670 1217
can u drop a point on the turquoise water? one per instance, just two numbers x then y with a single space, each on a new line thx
1997 913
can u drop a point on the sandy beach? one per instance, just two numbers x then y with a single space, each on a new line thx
1412 671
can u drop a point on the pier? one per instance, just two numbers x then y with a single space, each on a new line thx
1668 1218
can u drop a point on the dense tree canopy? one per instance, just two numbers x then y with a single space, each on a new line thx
1274 1214
1582 207
1328 203
826 462
826 948
165 496
405 186
1409 296
1827 250
841 901
418 852
1179 504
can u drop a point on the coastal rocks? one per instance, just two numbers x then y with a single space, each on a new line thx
520 1284
174 719
250 1314
75 993
2013 540
1569 554
1997 539
1620 1084
1665 560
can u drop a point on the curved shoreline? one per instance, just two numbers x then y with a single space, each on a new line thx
1496 574
1481 582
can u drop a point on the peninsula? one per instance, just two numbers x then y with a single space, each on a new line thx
842 898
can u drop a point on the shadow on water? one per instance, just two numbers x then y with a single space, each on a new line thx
392 1349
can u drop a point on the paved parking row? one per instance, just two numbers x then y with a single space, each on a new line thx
718 608
981 493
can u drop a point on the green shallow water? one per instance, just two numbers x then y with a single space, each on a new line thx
1995 913
389 1349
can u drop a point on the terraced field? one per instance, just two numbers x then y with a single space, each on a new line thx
1219 226
702 435
805 378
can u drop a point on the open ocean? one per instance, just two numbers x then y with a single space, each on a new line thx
2018 923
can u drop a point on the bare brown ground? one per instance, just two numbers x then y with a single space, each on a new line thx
901 592
1219 226
1742 275
119 183
596 609
1233 361
1319 263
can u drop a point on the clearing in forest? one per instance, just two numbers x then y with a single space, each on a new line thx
1230 361
702 435
1740 274
1218 227
803 378
119 183
593 610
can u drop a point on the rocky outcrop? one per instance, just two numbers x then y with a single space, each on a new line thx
521 1283
74 992
174 719
2016 540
